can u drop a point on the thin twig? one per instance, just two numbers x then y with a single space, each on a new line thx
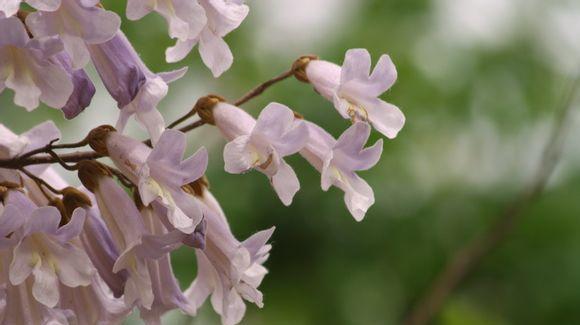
182 119
467 258
52 146
39 181
262 87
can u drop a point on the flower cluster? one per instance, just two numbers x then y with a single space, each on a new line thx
92 253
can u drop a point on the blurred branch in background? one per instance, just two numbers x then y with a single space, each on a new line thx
468 257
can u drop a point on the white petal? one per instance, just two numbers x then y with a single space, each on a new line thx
239 156
45 287
215 53
285 183
180 50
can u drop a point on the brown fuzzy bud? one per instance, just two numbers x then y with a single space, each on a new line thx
73 198
299 67
97 138
90 172
204 107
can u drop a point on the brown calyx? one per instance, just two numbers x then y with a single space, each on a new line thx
72 199
299 67
97 138
90 172
204 107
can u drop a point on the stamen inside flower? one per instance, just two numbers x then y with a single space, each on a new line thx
357 113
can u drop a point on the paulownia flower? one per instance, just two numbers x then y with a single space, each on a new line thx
186 18
44 250
76 24
27 68
223 16
355 91
338 161
83 87
228 270
262 144
160 173
136 89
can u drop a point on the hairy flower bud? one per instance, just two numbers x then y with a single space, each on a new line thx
299 67
89 173
204 107
98 138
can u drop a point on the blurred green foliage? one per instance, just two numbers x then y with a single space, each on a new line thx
440 183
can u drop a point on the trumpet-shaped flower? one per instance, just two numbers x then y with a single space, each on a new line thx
136 89
83 87
76 25
223 16
262 144
45 251
355 91
27 69
228 270
185 18
338 161
161 172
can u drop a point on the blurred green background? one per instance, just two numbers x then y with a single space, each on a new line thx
479 81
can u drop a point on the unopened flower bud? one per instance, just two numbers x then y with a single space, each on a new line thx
299 67
98 138
204 107
90 172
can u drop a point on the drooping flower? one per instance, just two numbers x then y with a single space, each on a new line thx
262 144
228 270
44 250
355 91
77 25
338 161
186 18
27 69
160 173
136 89
223 16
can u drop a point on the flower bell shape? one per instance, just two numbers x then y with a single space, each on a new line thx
223 16
261 144
27 69
127 230
136 89
185 18
338 161
76 25
46 252
228 270
355 91
11 7
166 291
160 173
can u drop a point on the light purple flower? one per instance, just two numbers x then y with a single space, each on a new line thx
186 18
11 7
228 270
76 24
136 89
262 144
338 161
166 291
23 308
355 91
223 16
45 251
92 304
27 69
160 173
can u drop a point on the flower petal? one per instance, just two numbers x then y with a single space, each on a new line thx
215 53
285 183
45 287
356 65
